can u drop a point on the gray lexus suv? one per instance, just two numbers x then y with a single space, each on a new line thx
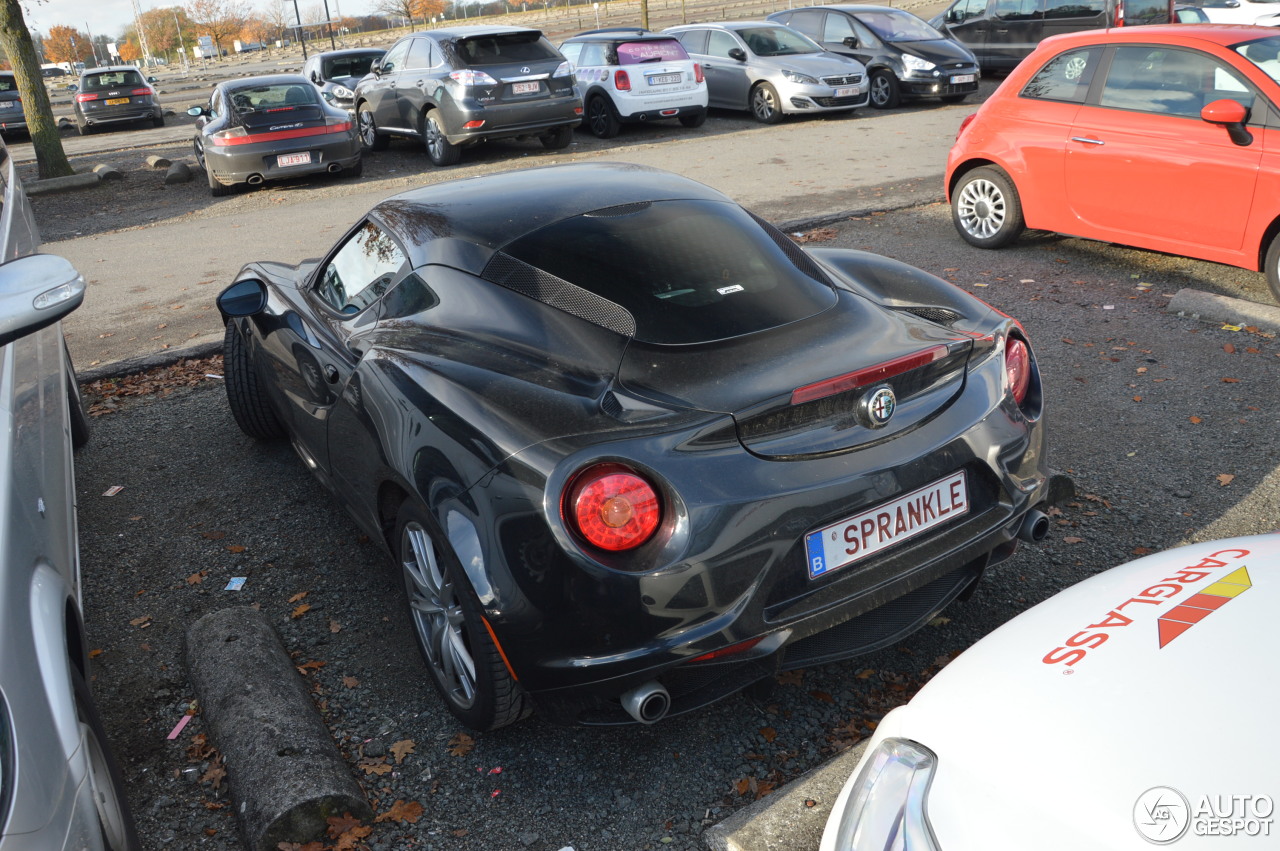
460 86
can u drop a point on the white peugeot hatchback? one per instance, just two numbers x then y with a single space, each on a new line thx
632 75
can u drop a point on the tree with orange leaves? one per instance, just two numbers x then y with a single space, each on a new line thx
129 52
67 44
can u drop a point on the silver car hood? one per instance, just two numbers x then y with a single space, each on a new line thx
813 64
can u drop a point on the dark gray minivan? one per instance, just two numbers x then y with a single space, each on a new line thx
1001 33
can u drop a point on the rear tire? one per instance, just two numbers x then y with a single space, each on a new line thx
885 91
114 819
83 129
1273 267
80 429
557 139
695 120
216 189
248 402
602 121
158 119
356 170
985 208
465 664
440 150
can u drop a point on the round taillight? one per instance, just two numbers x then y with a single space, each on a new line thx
613 508
1017 367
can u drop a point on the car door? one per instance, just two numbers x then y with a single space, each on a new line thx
727 80
1015 30
380 91
413 82
1143 168
967 21
314 348
839 29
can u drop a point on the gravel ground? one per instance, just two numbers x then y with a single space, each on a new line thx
1167 425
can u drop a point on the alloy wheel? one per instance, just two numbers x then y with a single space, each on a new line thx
879 90
368 130
438 617
981 208
763 103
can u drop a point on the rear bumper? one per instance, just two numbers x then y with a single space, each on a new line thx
660 114
119 115
506 121
246 161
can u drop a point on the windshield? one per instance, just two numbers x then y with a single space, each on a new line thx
1265 53
686 271
777 41
273 98
896 25
348 66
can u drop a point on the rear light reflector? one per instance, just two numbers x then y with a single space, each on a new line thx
141 92
740 647
239 136
612 507
964 124
473 125
621 81
867 376
697 72
1017 367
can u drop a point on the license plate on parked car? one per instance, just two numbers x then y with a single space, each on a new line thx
524 88
865 534
303 158
116 101
846 92
961 78
663 79
6 104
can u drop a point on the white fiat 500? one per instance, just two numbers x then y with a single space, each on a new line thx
1136 708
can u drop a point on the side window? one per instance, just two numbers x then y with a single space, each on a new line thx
809 23
965 10
593 54
719 43
837 29
571 51
1169 82
694 41
364 268
1058 10
395 57
1018 10
408 297
419 54
1065 77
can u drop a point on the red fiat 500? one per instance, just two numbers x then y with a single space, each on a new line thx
1162 137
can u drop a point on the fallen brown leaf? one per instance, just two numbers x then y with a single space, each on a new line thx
350 682
1225 479
401 749
339 825
402 811
235 548
769 733
300 611
461 744
1072 540
296 597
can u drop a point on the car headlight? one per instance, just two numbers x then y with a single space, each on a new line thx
343 93
915 63
886 806
797 77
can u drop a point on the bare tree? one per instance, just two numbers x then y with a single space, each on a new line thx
15 38
396 8
219 19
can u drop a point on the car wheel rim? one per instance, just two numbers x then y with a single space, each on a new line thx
762 104
981 208
437 615
435 139
368 132
598 118
105 799
879 90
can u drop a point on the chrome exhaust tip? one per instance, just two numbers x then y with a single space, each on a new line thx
647 703
334 168
254 180
1035 526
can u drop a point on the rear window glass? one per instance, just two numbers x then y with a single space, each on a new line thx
637 52
348 66
273 98
7 83
895 26
505 49
687 271
111 80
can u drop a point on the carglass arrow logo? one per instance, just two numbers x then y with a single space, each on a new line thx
1199 606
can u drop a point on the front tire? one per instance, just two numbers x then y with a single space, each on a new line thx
885 91
465 664
105 783
602 121
765 105
80 429
370 138
249 404
985 208
440 150
1273 267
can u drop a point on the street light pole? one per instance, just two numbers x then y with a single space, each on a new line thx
302 36
328 24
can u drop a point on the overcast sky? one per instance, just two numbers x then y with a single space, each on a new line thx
110 17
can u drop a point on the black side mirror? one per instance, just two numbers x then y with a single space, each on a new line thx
738 53
243 298
850 41
955 16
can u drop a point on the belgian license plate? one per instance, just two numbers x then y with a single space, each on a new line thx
303 158
6 104
663 79
961 78
116 101
524 88
846 92
863 535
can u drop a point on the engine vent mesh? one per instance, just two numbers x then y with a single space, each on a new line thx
938 315
507 271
